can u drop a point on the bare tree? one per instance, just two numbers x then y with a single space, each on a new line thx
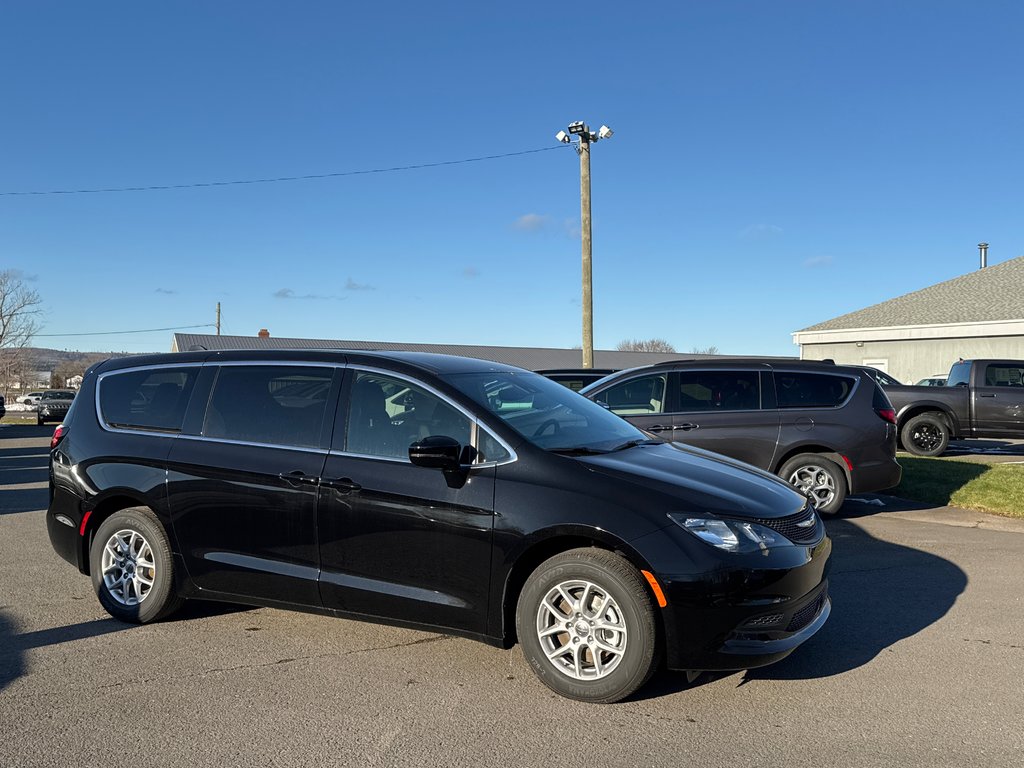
644 345
704 351
19 312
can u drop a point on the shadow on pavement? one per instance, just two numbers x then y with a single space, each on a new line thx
13 645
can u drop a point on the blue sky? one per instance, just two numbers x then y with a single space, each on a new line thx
774 164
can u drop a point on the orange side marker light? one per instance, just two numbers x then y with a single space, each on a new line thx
656 588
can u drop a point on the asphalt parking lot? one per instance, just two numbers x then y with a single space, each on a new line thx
919 665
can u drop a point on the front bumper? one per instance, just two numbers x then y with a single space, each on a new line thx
737 612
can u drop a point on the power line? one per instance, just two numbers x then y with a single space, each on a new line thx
157 187
118 333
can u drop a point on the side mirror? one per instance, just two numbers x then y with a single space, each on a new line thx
603 404
436 452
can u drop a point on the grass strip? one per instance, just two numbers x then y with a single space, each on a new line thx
995 488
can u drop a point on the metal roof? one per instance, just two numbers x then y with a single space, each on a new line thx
990 294
531 358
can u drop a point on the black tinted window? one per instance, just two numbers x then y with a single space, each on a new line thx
812 390
1004 376
719 390
279 405
151 399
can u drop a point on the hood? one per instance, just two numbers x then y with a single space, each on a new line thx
702 481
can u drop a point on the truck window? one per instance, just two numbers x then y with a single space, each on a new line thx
960 373
1003 375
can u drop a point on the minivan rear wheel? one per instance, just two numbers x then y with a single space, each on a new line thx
586 625
132 567
819 479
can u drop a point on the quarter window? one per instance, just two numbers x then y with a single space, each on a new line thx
812 390
387 415
719 391
148 399
278 405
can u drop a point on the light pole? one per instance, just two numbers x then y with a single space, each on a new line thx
585 137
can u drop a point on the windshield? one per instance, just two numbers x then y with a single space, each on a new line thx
548 414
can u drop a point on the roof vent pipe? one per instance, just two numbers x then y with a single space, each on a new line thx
983 254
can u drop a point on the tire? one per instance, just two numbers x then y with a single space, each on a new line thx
927 434
132 543
819 479
578 591
40 421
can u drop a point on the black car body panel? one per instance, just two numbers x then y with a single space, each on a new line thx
365 534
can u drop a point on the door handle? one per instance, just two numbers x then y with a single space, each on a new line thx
982 394
687 426
298 477
659 428
343 485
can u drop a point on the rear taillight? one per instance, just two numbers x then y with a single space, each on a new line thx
886 414
58 434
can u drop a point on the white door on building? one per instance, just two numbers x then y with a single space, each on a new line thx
881 363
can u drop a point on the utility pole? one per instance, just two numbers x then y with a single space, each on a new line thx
218 318
586 138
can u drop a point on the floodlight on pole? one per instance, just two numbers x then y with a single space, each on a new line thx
584 139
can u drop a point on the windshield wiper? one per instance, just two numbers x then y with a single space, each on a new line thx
634 443
578 450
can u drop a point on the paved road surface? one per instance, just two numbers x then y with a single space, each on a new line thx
920 665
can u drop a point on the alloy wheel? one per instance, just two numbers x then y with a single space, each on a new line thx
581 630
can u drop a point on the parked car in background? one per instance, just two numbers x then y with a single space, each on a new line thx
827 429
30 398
981 398
935 380
436 492
576 378
53 405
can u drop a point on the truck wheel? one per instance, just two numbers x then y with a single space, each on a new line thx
817 478
927 434
132 567
586 625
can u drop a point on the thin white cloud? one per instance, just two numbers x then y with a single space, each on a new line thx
288 293
817 261
352 285
17 274
760 231
166 291
531 222
470 272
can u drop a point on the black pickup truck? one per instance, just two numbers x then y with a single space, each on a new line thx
982 398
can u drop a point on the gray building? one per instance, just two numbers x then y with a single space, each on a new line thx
531 358
977 315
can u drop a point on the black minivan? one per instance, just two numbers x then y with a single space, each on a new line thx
829 430
434 492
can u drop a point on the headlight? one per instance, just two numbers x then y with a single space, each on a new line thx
730 535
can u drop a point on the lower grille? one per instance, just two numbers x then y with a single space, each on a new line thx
806 615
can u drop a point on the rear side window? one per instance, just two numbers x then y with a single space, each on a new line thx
1003 375
148 399
274 404
812 390
719 391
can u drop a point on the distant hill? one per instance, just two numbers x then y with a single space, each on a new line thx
43 359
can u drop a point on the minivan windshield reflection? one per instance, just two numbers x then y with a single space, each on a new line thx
548 414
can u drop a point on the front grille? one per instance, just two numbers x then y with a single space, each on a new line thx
791 527
806 615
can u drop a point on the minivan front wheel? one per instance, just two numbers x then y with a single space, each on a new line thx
586 625
819 479
132 567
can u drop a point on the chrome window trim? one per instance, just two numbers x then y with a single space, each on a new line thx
474 421
252 444
136 430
